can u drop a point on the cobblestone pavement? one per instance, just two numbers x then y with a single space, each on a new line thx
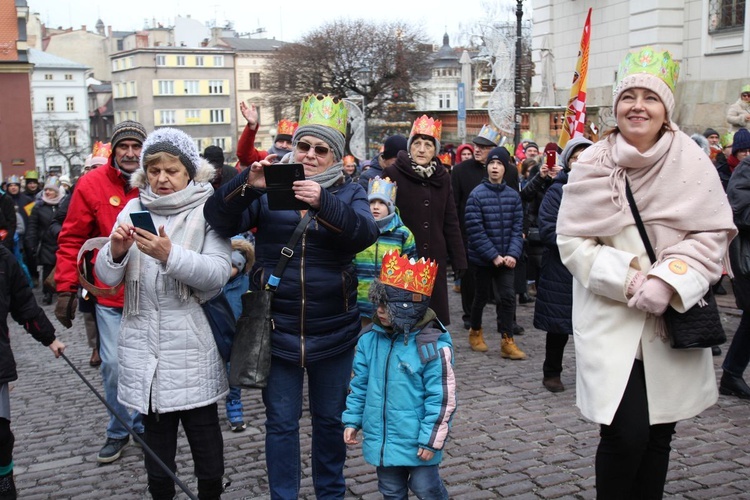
511 438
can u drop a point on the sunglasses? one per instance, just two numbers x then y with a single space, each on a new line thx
745 94
320 151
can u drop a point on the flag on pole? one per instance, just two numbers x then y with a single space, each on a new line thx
575 114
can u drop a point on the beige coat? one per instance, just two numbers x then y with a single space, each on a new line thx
609 335
737 115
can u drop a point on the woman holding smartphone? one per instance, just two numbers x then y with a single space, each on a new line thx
170 368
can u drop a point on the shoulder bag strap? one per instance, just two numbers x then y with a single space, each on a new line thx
287 252
639 222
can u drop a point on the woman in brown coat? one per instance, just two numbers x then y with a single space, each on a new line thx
426 205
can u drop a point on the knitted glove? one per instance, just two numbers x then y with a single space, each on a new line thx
635 283
65 309
652 297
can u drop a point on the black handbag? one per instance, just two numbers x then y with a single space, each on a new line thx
698 327
250 363
223 324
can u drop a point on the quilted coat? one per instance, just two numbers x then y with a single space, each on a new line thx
401 401
494 223
315 305
554 298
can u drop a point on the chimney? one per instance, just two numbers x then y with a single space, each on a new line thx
83 27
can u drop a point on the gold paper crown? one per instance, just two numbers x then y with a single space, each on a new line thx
407 274
381 189
103 149
323 110
647 60
425 125
286 127
445 159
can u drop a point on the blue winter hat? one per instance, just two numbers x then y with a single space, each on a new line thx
499 153
741 141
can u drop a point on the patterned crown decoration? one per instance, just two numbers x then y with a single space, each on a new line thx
727 139
323 110
446 159
647 60
490 133
400 271
382 189
286 127
102 149
745 89
425 125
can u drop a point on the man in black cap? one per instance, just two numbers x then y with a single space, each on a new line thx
465 177
391 147
98 198
215 156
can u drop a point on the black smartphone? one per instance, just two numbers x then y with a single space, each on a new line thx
143 220
279 180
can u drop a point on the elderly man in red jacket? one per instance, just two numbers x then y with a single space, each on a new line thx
97 200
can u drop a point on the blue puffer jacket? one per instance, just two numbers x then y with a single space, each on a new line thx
554 299
401 401
494 223
315 306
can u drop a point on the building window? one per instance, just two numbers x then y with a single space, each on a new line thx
217 116
48 76
444 101
192 116
51 103
166 87
180 60
68 76
219 141
254 81
726 15
70 103
219 61
131 89
73 138
167 116
161 60
192 87
53 140
216 86
199 60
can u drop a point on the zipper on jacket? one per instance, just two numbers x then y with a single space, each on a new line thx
238 189
304 300
385 398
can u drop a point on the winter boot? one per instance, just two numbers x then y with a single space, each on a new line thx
7 487
509 349
476 340
235 415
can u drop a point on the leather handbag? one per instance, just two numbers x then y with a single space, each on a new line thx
698 327
221 318
250 362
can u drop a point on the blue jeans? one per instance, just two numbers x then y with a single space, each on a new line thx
327 385
394 483
108 321
738 355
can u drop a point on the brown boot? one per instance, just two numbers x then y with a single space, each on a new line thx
553 384
476 340
509 349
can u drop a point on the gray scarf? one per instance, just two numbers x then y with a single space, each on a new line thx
327 178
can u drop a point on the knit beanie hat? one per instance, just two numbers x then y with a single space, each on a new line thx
530 144
128 130
570 147
709 132
550 146
175 142
214 155
741 141
393 145
330 136
499 153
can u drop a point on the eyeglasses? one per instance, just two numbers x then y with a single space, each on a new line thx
745 94
320 151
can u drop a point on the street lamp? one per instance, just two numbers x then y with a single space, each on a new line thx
517 129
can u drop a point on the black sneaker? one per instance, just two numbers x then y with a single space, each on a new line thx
111 450
7 487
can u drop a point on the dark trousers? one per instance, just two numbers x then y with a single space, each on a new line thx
500 280
553 354
633 457
206 445
6 443
738 355
468 285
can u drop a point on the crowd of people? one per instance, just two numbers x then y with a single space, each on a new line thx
512 225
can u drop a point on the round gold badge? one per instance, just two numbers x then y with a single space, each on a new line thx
678 267
114 201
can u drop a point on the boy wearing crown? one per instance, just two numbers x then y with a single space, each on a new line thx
406 354
394 235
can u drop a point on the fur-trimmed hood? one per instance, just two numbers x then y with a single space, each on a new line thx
205 173
247 248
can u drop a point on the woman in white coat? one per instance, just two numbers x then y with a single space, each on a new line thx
629 379
170 369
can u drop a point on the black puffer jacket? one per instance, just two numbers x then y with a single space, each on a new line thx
41 234
554 299
17 299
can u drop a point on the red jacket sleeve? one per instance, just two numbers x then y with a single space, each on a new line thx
246 152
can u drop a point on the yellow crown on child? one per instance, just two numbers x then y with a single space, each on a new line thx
424 125
323 110
400 271
286 127
102 149
382 189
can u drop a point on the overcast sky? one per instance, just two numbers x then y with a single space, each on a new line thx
285 20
